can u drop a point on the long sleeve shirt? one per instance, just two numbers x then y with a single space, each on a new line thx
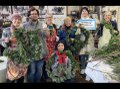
6 33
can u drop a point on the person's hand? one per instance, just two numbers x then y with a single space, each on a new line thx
57 38
44 25
116 32
78 31
6 40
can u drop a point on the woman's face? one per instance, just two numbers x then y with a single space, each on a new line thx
60 46
107 17
84 13
68 22
49 19
16 22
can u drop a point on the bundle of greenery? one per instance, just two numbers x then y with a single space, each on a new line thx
28 47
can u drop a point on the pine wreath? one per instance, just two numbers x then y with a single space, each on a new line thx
28 47
64 74
78 42
75 44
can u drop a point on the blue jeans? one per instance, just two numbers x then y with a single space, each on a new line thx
35 71
83 60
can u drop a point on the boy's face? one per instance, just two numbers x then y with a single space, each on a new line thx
60 46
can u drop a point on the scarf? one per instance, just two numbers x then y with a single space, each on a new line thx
108 25
50 27
61 57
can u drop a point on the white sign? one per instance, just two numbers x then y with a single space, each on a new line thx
88 24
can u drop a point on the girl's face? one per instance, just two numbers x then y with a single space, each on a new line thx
68 22
60 46
84 13
16 22
107 17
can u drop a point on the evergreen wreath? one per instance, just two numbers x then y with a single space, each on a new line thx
79 44
28 47
75 44
60 69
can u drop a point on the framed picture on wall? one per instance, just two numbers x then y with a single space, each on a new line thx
57 10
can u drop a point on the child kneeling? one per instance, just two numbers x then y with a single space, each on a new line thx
62 66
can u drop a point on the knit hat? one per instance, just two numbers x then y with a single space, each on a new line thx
17 16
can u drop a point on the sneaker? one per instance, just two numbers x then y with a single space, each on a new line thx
87 78
82 71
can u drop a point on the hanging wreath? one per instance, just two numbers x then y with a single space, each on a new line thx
28 47
62 73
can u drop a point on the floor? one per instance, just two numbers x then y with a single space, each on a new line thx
81 79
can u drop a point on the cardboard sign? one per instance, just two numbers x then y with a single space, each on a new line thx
88 24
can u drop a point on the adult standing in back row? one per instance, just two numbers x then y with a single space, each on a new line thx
50 41
106 29
89 43
35 68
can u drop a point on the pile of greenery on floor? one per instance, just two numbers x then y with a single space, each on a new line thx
111 54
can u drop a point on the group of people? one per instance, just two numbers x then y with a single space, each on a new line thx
59 48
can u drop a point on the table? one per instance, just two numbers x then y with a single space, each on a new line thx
100 72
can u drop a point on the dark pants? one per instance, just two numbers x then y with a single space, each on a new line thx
83 61
45 75
35 71
20 80
1 50
70 80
